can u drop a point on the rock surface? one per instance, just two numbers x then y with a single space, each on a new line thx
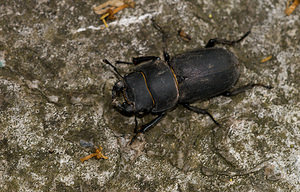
55 99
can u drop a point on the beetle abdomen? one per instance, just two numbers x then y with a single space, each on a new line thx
204 73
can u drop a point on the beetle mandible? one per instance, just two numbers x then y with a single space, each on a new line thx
157 86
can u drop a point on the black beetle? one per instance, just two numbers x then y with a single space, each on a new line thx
157 86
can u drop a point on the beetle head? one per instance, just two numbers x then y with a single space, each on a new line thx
125 107
130 95
122 99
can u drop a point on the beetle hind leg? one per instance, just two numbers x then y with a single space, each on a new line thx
200 111
215 41
244 88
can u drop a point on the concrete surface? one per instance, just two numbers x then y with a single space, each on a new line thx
55 99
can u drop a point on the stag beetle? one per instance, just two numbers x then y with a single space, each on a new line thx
157 86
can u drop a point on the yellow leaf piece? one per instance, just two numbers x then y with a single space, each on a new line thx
290 9
103 19
266 59
111 7
97 154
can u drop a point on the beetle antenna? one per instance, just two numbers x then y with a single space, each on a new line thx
115 69
243 37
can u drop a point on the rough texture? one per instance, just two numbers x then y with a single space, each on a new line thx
55 96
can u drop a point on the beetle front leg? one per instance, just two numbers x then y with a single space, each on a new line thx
125 109
200 111
147 126
244 88
213 42
138 60
152 123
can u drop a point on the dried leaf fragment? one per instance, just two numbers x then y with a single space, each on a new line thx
183 35
97 154
290 9
111 7
266 59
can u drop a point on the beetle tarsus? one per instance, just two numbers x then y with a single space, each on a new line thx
245 88
215 41
200 111
164 34
133 138
159 28
156 26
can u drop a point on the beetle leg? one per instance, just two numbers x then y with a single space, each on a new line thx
124 62
166 57
213 42
136 125
244 88
151 124
200 111
159 28
125 109
147 126
164 38
138 60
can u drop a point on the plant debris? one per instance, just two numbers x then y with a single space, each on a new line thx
184 36
111 7
290 8
97 154
266 59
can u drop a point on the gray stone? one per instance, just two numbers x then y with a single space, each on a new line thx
55 93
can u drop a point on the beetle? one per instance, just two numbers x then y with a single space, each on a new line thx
157 86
